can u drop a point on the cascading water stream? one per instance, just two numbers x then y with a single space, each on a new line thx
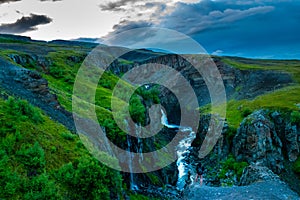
164 121
130 156
139 148
182 151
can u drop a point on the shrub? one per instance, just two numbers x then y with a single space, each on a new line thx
230 164
137 110
296 166
10 182
113 132
246 111
40 187
295 117
231 132
8 143
56 72
140 197
89 179
53 149
33 158
68 136
149 94
22 110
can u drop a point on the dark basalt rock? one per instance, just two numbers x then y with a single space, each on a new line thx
254 173
292 143
289 134
257 142
40 62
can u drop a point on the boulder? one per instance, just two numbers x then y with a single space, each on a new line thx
255 173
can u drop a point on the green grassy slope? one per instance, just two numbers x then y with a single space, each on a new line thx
286 99
41 159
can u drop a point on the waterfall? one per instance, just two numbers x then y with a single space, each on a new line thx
164 120
138 131
130 156
182 150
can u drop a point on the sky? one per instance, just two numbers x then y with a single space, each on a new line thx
246 28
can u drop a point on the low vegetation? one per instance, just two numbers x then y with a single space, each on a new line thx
40 159
285 99
296 166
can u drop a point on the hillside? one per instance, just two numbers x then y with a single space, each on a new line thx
42 156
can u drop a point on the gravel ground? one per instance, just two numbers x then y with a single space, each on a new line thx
262 190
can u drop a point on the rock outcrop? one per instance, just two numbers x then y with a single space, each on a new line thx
265 138
292 141
41 63
258 142
253 174
289 134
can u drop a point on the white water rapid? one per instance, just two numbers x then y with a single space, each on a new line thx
182 150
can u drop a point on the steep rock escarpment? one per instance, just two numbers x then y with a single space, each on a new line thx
239 84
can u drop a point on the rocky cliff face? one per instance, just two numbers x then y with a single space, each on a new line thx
239 84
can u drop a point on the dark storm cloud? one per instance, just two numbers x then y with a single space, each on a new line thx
205 15
260 28
25 24
6 1
124 26
128 25
117 5
132 5
193 18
